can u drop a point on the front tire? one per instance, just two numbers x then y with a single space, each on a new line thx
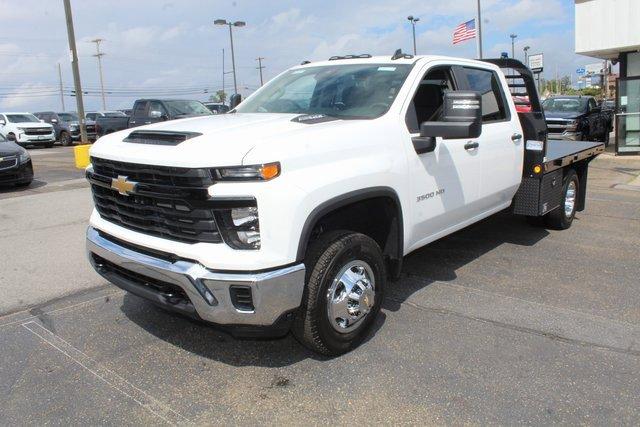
562 217
65 139
345 281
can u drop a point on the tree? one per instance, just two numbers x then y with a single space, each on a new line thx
219 96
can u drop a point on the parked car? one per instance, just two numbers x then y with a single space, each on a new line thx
147 111
293 212
108 121
577 118
67 126
217 107
15 164
609 107
26 129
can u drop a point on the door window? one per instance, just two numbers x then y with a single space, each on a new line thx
157 107
427 102
140 109
493 101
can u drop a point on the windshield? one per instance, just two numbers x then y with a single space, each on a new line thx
355 91
22 118
187 108
562 105
68 117
113 114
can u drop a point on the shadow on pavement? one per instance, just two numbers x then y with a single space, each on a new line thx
17 188
438 261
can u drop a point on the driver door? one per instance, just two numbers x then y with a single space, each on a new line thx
444 183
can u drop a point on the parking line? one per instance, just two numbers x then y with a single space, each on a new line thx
107 376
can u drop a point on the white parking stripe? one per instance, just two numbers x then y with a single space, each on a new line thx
107 376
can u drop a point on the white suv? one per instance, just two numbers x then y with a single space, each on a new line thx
27 129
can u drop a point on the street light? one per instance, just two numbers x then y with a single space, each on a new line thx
233 58
526 55
513 44
413 24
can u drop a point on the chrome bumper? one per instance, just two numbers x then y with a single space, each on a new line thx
274 293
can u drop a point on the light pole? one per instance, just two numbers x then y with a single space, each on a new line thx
260 67
413 25
513 45
526 55
233 58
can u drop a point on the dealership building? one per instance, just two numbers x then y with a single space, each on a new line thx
610 30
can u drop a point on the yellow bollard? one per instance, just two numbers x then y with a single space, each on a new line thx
81 154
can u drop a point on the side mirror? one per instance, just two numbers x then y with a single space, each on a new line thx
461 117
41 121
235 100
54 120
2 122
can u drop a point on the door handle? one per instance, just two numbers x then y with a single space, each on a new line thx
471 145
516 137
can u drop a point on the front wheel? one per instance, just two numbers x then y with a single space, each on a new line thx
345 283
562 217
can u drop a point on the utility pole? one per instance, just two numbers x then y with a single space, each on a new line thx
413 25
223 73
479 32
61 93
260 67
76 70
99 55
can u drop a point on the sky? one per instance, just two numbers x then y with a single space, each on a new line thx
171 49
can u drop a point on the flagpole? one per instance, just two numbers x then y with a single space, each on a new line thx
479 32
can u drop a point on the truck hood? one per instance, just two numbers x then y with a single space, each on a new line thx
31 125
224 141
566 115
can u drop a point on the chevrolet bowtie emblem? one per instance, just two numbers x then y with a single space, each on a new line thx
122 185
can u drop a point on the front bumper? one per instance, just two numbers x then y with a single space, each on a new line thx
19 174
569 136
23 138
75 135
185 286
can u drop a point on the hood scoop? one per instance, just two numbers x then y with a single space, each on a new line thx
159 137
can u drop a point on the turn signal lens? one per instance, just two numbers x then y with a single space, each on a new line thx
537 169
270 171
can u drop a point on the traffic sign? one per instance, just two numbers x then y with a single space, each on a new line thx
581 71
536 62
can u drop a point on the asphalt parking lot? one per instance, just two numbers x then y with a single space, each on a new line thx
499 323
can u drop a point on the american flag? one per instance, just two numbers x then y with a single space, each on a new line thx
464 31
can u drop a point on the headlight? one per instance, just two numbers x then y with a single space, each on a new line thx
24 157
73 127
263 172
240 227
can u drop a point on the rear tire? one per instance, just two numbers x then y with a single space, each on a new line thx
345 280
562 217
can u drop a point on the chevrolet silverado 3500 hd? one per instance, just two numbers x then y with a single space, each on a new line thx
292 211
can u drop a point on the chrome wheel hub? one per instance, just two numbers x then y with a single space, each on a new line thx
351 296
570 199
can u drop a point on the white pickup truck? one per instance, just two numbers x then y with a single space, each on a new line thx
293 211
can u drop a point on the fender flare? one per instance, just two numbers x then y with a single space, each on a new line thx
347 199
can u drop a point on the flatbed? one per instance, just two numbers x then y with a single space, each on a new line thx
562 153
